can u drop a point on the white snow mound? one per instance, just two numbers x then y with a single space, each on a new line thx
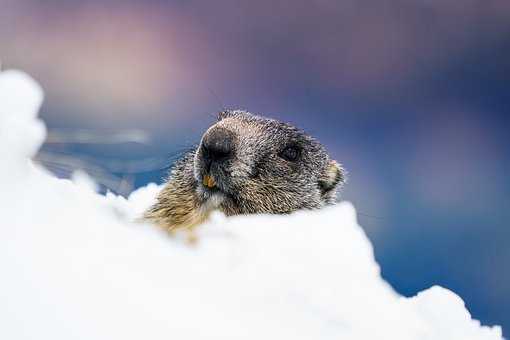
73 266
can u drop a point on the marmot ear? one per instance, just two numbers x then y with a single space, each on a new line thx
332 178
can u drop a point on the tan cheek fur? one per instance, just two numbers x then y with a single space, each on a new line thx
177 205
175 209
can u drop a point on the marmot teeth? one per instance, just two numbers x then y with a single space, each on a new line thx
208 181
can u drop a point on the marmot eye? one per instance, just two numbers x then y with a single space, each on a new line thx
290 153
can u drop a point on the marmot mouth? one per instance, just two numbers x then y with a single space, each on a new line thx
209 182
210 185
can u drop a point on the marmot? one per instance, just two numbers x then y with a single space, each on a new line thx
247 164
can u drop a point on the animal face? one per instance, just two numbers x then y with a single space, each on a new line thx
250 164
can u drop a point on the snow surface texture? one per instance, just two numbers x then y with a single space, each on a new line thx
73 266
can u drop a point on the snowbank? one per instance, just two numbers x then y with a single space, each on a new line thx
73 266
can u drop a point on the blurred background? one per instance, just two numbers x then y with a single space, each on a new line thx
413 97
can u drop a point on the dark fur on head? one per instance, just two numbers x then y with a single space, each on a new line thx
268 167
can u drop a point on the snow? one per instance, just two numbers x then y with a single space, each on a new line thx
74 265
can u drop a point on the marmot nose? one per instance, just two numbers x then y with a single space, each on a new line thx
217 145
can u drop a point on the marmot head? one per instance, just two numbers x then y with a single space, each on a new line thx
250 164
